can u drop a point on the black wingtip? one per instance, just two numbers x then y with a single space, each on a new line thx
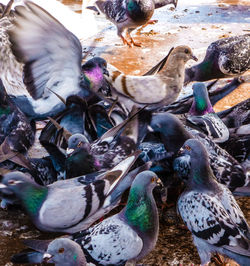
27 257
158 67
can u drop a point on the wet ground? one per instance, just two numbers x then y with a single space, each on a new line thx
194 23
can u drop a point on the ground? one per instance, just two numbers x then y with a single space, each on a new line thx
197 24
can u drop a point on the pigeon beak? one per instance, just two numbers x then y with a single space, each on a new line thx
105 72
150 129
159 182
194 57
46 257
69 151
3 186
180 152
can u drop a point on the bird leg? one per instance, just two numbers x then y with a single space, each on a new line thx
131 39
220 260
150 22
125 42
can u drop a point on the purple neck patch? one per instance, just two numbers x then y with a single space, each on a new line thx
95 76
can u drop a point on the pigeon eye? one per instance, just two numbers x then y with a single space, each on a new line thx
11 182
187 148
153 179
79 144
186 51
60 250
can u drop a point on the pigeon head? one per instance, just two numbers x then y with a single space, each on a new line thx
200 171
77 142
171 131
31 194
141 205
201 103
183 53
79 160
94 71
63 251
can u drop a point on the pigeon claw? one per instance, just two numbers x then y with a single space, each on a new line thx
138 44
125 42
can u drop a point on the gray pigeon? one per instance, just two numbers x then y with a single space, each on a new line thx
173 134
127 236
127 15
67 205
202 116
224 57
156 90
61 252
210 211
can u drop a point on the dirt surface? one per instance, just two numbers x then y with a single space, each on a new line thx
194 23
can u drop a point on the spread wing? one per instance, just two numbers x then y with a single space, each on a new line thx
51 54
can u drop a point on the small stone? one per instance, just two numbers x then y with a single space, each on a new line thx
30 234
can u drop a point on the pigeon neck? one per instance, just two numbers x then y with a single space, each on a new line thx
174 67
33 197
93 77
141 211
201 104
140 10
201 173
201 72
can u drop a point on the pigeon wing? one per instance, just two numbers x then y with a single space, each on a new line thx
206 218
51 53
112 242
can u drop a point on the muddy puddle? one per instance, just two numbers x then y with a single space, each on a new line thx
194 23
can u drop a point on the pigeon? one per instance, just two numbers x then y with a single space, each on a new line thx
183 105
238 144
127 236
52 62
65 206
173 134
224 58
202 116
128 15
82 157
237 115
210 211
156 90
17 133
61 251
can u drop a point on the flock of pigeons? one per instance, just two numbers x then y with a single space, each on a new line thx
107 132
